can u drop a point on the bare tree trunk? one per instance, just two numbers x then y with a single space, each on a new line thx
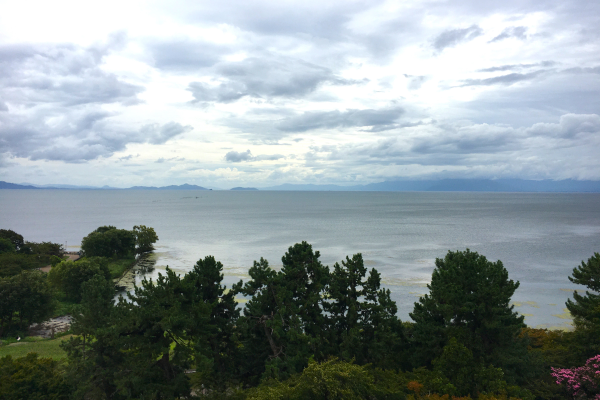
276 351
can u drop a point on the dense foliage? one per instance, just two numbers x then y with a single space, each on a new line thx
469 301
108 241
32 378
145 237
68 276
305 331
24 299
28 296
18 255
586 308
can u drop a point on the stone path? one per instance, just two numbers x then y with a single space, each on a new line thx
72 256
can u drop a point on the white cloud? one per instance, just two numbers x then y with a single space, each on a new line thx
303 91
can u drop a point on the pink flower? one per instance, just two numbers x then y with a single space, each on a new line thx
581 382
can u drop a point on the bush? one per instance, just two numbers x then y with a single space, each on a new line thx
13 263
43 248
332 379
32 378
68 276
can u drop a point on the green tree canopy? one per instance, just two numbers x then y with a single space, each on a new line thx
469 299
6 246
329 380
219 344
69 276
13 263
25 298
108 241
284 317
586 308
361 317
145 237
14 237
33 378
43 248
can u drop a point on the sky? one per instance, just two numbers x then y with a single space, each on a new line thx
260 93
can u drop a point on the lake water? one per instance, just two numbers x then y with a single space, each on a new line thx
540 238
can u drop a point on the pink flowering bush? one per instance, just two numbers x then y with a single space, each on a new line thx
582 382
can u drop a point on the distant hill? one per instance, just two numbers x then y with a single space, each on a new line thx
243 188
185 186
63 186
7 185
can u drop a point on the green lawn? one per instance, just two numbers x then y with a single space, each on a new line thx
44 348
118 267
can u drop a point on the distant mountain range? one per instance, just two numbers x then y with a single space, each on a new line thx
442 185
457 185
7 185
185 186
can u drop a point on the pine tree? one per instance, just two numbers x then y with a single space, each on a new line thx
284 320
362 321
217 342
469 300
585 309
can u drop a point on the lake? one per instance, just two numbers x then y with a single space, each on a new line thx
540 237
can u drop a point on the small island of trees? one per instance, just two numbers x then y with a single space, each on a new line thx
306 331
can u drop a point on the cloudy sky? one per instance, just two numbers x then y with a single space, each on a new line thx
259 93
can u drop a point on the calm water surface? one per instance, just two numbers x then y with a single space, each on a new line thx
540 238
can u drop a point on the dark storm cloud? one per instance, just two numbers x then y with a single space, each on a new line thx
264 78
512 32
507 79
234 156
455 36
341 119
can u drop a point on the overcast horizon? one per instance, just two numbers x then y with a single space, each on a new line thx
264 93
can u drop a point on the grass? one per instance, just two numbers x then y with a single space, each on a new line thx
63 306
43 347
118 267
